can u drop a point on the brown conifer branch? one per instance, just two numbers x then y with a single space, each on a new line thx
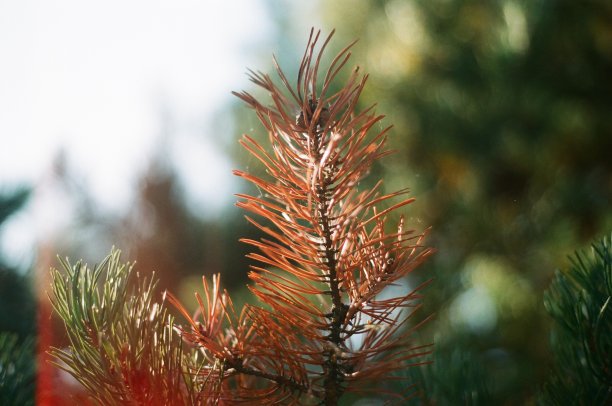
327 256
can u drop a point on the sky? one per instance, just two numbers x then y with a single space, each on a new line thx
102 82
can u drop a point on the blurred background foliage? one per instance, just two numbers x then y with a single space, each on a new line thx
16 296
17 317
501 114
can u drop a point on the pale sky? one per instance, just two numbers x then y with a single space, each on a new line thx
92 78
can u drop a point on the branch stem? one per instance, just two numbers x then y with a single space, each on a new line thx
238 367
332 368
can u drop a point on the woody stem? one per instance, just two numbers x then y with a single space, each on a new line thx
333 376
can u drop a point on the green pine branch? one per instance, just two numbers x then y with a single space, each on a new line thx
579 301
123 345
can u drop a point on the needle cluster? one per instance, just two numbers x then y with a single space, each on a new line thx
123 347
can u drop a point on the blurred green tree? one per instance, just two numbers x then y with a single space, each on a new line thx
16 298
17 319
